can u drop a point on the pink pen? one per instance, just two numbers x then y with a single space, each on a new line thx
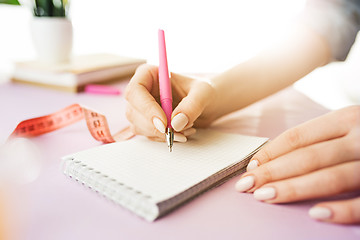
165 89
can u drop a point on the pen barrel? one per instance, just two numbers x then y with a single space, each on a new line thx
166 105
164 80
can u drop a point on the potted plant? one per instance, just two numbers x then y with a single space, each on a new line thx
51 29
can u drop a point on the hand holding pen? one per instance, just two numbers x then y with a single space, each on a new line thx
193 100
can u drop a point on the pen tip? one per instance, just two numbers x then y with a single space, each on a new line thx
170 149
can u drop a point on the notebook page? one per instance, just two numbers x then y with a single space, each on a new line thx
148 167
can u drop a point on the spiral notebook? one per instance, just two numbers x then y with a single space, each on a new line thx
144 177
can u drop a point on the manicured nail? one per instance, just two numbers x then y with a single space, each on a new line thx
189 131
252 165
265 193
178 137
320 213
179 122
245 184
159 125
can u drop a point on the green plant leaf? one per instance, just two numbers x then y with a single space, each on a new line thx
13 2
50 8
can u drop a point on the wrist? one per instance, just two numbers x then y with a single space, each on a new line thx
214 109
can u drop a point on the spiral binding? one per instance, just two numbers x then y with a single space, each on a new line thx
141 204
111 189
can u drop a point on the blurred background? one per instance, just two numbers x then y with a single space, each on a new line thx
203 36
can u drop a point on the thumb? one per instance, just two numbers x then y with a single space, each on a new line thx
191 106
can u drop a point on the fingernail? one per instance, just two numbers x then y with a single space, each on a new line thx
189 131
252 165
245 184
320 213
159 125
265 193
178 137
179 122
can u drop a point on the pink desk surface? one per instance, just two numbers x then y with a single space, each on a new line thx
55 207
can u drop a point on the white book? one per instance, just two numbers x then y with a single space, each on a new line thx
74 75
144 177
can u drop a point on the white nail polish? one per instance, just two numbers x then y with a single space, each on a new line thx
245 184
179 122
252 165
178 137
159 125
265 193
320 213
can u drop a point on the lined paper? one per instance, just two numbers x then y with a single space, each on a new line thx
148 167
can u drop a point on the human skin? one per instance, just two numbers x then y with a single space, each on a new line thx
317 159
198 103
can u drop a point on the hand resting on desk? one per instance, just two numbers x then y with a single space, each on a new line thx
319 158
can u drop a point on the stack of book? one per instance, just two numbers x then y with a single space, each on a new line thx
73 76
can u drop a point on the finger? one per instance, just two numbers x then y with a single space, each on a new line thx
298 162
188 126
329 126
141 92
141 126
189 132
354 143
191 106
345 211
322 183
147 76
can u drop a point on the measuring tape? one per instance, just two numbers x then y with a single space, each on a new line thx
96 123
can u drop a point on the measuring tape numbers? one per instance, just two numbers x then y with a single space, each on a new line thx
96 123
